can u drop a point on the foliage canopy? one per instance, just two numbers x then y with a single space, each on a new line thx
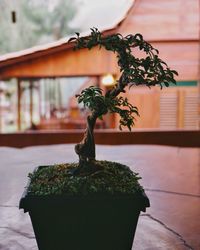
147 70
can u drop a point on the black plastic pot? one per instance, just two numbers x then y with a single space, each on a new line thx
100 222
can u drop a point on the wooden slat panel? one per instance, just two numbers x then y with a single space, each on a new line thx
179 108
191 110
168 110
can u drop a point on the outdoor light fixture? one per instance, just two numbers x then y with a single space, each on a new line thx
108 80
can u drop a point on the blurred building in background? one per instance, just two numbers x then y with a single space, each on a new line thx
44 79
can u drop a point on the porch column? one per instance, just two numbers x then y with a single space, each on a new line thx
31 101
19 93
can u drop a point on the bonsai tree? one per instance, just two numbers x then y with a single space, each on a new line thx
109 177
149 70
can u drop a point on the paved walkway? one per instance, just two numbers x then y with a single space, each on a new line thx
171 177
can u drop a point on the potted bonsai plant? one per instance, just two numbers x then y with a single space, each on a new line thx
95 204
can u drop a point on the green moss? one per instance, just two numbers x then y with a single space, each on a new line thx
110 178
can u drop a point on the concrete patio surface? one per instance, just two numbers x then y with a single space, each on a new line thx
170 175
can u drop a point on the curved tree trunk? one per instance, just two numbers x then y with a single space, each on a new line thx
86 148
